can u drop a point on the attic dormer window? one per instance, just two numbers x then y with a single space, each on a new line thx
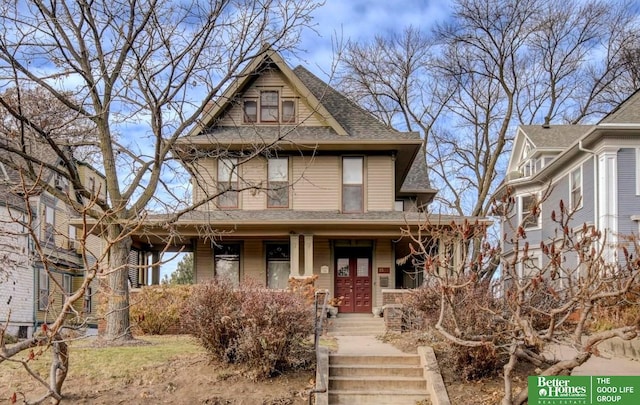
269 106
250 110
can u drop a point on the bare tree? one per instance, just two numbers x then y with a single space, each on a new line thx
141 72
494 64
538 302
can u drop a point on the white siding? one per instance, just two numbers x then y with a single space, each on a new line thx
253 261
382 258
16 275
204 261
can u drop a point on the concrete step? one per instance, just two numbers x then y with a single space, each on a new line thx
389 384
376 370
390 360
363 397
356 332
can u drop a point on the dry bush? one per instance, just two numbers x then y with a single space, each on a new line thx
263 329
156 310
475 363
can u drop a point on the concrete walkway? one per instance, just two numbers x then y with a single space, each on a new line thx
599 366
365 346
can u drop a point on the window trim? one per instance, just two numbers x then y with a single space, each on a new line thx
49 226
572 187
216 253
86 303
282 185
43 292
353 185
268 260
272 107
521 211
246 118
229 185
294 114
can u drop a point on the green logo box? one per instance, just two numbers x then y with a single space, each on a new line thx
584 390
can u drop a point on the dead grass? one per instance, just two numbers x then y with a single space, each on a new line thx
163 369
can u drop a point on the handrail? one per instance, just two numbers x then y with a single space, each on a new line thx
319 321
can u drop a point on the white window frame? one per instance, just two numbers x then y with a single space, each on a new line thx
72 238
533 255
521 214
43 289
572 187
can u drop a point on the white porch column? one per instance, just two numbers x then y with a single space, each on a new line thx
308 255
608 200
294 246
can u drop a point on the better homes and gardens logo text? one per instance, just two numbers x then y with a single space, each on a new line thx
584 390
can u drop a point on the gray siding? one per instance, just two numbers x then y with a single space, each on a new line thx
628 201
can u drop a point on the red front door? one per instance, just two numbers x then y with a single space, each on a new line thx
353 280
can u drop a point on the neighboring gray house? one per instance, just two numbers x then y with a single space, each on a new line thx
593 169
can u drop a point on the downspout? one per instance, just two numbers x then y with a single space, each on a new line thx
596 186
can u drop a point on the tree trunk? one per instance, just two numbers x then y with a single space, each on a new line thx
117 291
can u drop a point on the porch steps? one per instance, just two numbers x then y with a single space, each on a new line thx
365 370
379 380
356 325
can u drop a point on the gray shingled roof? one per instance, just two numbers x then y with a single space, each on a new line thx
556 136
221 217
628 112
418 176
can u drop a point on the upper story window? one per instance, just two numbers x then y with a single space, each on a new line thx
278 186
3 173
49 222
575 187
530 211
352 184
269 107
228 183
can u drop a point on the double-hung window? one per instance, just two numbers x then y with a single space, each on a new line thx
352 184
49 223
228 182
278 265
278 187
269 106
43 289
575 184
227 262
530 211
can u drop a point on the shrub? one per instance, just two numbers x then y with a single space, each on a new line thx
266 330
474 363
156 310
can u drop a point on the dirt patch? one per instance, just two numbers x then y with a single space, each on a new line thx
185 378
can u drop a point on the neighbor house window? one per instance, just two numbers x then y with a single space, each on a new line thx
278 187
43 289
66 285
530 217
352 184
288 111
49 221
227 262
72 237
269 106
86 307
278 265
250 110
575 184
530 267
228 183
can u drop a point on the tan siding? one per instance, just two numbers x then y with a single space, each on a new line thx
253 262
203 261
205 176
254 174
322 257
271 80
316 183
383 258
380 193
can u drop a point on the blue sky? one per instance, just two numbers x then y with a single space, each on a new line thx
359 20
